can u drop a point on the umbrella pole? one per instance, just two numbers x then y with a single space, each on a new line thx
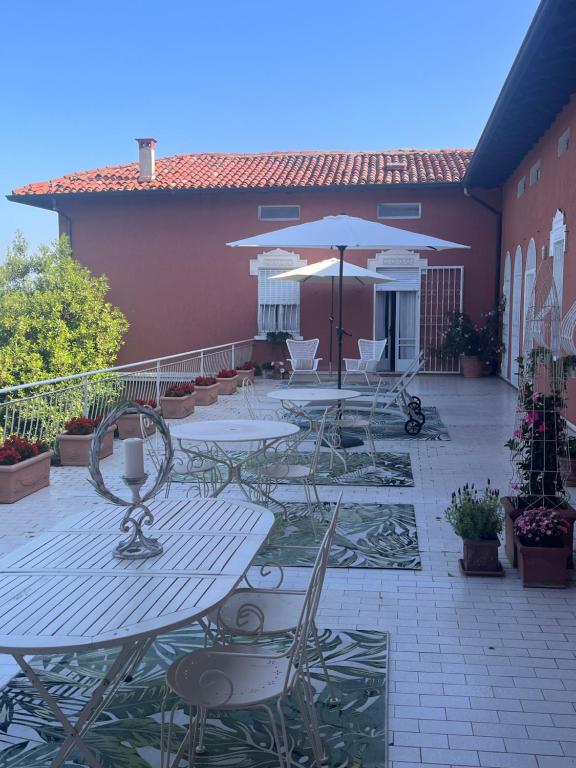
346 440
340 329
331 323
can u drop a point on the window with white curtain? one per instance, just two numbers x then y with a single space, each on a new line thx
278 303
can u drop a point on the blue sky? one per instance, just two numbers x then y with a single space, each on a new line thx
81 80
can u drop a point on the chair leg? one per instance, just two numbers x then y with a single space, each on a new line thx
310 721
279 746
291 377
333 698
371 446
317 377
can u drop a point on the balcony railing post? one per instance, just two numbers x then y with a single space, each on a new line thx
85 405
233 356
158 382
201 363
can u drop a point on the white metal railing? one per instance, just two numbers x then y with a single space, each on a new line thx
38 410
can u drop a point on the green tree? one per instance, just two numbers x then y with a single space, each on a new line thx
54 317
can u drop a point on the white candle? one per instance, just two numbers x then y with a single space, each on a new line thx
133 458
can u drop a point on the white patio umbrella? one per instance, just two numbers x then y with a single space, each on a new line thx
340 233
329 269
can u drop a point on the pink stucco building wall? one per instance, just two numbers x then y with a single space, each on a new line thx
181 287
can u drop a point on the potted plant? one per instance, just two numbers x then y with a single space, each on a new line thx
130 424
490 337
477 518
568 462
207 389
246 371
227 380
178 400
268 370
462 339
74 443
543 553
24 468
536 450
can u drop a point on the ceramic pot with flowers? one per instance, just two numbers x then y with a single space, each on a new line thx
227 380
24 468
131 425
543 552
178 400
75 442
246 371
207 390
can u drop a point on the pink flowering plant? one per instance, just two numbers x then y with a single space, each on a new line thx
535 445
541 528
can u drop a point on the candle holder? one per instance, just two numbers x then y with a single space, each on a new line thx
136 546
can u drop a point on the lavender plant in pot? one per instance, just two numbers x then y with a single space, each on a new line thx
477 518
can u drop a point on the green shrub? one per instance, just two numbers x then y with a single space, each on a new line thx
475 515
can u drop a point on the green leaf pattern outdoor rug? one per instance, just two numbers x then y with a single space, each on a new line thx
391 470
127 733
367 536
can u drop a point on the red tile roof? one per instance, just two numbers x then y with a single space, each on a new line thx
268 170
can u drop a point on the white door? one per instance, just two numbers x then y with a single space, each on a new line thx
506 317
397 318
407 328
516 315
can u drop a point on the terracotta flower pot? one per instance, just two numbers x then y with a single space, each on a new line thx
543 566
513 508
129 426
472 367
178 407
24 478
481 558
75 449
245 375
207 395
227 386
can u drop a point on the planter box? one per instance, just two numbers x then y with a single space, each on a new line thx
267 373
24 478
129 426
207 395
227 386
245 375
513 510
543 566
472 367
75 449
481 558
178 407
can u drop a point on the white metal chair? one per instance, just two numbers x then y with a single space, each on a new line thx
370 353
243 676
198 475
256 407
291 464
359 420
302 357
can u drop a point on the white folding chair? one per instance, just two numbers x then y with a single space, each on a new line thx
302 357
243 676
370 353
359 420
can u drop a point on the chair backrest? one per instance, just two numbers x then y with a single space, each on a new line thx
298 652
371 349
302 351
249 398
319 439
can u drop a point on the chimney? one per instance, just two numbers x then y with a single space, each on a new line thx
146 159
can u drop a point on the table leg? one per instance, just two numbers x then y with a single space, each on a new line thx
127 659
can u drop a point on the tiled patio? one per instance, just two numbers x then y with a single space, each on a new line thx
483 672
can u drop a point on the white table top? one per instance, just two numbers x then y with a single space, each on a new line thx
64 590
233 430
312 394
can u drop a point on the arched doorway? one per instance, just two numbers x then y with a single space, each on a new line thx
506 317
529 278
515 316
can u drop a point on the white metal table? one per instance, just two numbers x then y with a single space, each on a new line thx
294 400
226 432
65 591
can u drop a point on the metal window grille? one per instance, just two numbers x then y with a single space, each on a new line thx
279 212
399 210
441 293
278 303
